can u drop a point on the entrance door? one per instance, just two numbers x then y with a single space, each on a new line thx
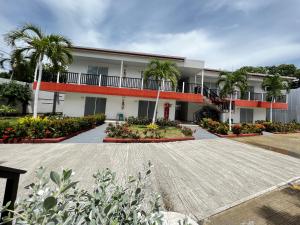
94 105
146 109
246 115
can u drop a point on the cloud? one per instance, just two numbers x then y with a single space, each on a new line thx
240 5
225 33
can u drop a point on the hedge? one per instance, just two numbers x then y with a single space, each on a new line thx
47 127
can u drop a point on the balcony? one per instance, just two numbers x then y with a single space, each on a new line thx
116 81
129 86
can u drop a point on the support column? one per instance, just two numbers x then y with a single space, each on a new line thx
121 74
202 81
57 79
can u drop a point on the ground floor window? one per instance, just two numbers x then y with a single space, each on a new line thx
94 105
146 109
246 115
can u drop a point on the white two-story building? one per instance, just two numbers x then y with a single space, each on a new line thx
111 82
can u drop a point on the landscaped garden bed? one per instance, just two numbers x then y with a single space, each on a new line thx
280 128
238 130
47 129
142 130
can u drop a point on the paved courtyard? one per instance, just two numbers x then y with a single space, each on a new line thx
198 178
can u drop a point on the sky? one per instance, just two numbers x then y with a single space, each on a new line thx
226 34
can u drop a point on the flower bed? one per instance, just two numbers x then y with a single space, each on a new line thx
238 130
280 128
135 131
47 129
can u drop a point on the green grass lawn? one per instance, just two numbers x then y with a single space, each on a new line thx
166 132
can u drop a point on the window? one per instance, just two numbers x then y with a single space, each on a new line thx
246 115
94 105
97 70
146 109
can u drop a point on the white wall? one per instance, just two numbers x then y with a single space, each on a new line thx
80 65
74 105
258 114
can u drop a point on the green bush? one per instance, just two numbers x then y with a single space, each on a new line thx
6 110
52 127
58 200
186 131
138 121
222 129
214 126
166 123
145 121
281 127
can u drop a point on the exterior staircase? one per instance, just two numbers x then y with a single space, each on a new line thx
212 97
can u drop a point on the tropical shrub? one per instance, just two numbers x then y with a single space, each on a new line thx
236 129
44 127
6 110
152 131
186 131
121 131
281 127
223 128
138 121
58 200
166 123
145 121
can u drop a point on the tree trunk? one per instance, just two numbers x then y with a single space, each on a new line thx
55 97
24 108
37 89
156 104
271 110
230 106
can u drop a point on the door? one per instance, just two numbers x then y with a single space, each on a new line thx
146 109
246 115
100 105
94 105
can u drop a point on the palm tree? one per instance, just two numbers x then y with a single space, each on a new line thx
229 83
20 66
274 84
32 42
158 71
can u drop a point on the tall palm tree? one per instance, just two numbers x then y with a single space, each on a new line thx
32 42
161 70
229 83
274 85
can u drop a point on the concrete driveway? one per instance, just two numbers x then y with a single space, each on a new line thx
198 178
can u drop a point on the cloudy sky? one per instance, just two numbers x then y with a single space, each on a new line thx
226 34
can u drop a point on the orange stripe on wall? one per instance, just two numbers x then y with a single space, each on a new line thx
259 104
89 89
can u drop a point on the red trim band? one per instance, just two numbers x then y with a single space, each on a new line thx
89 89
260 104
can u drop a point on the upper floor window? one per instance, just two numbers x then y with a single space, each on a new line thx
98 70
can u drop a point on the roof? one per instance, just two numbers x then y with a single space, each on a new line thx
252 74
121 52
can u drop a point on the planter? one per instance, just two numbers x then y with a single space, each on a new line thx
236 135
44 140
145 140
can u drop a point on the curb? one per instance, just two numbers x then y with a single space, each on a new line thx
144 140
258 194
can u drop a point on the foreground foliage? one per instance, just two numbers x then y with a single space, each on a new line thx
47 127
59 201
